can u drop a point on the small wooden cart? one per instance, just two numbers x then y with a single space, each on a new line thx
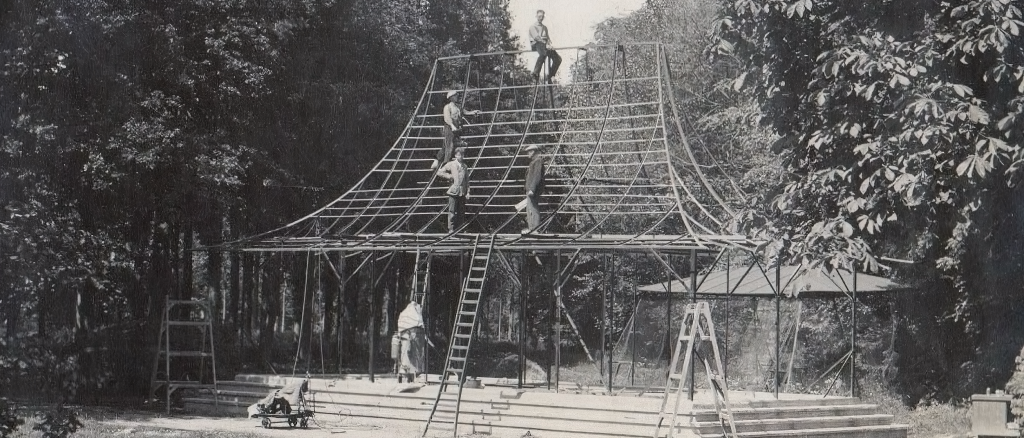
298 418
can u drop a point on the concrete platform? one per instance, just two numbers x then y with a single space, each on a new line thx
499 408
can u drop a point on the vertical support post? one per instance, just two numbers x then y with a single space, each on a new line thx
523 278
693 299
632 336
778 315
728 310
167 349
604 312
668 308
373 315
853 336
558 319
611 324
424 310
341 311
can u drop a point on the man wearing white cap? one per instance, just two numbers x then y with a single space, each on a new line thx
453 120
534 187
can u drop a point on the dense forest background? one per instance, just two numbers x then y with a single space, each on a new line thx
882 135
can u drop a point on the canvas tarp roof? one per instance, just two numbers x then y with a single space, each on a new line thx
797 281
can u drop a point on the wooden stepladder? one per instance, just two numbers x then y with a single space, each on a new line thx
445 412
695 328
188 323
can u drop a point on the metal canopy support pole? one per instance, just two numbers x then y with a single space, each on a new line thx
558 320
668 307
853 336
611 323
778 315
693 299
341 312
728 310
632 335
373 314
604 312
522 319
424 311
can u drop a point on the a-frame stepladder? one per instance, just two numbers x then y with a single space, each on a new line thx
179 318
445 413
696 327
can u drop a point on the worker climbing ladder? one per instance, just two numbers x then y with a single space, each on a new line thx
695 328
184 324
445 412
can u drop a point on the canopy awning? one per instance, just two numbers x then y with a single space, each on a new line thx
797 281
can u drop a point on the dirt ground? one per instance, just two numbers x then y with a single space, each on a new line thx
252 427
108 422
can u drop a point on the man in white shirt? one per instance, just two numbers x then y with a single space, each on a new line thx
540 42
455 171
454 117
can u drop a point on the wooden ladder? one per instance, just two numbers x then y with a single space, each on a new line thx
191 316
421 282
696 327
445 412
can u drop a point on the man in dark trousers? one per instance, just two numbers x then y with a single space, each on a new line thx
454 118
534 188
540 42
455 171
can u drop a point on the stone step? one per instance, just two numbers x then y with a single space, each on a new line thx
711 427
789 412
818 401
881 431
503 411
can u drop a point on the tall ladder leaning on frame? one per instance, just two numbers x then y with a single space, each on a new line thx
446 406
422 280
178 323
420 293
695 327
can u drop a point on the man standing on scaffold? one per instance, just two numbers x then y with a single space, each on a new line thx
540 42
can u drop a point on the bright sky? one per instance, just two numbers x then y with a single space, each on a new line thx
569 22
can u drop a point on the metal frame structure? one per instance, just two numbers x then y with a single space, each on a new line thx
622 176
621 172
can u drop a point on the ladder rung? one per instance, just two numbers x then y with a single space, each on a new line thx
453 370
470 301
464 324
457 335
467 313
675 376
460 359
460 347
